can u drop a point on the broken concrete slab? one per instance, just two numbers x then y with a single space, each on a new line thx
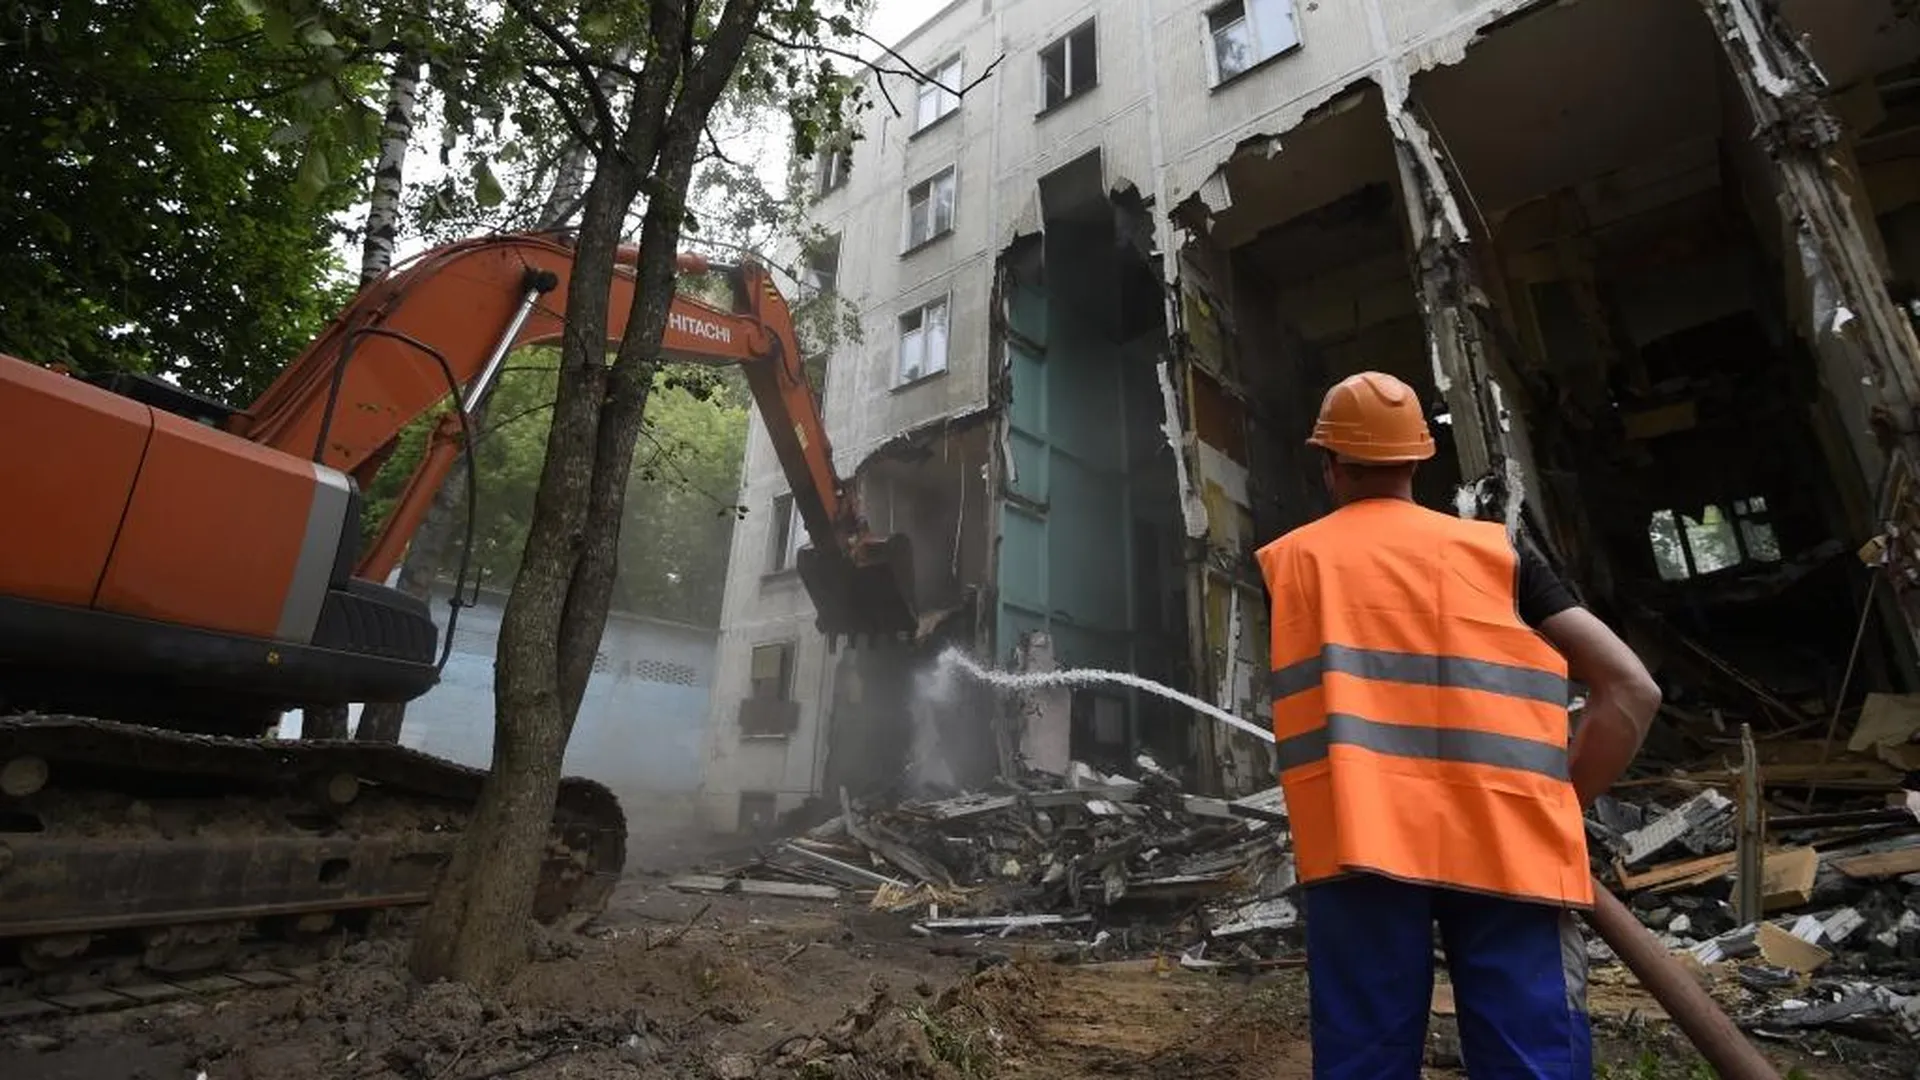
713 883
1704 810
1278 913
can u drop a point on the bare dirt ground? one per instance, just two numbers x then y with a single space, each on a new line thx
670 985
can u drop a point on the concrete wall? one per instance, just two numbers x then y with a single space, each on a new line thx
1157 123
640 726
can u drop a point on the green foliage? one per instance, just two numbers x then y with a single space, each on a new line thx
160 213
680 496
966 1052
1651 1065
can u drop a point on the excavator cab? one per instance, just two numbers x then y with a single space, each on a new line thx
866 594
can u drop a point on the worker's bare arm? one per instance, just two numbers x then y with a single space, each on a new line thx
1621 703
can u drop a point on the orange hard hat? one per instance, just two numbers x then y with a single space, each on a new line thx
1373 418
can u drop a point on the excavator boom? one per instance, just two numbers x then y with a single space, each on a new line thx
183 572
454 313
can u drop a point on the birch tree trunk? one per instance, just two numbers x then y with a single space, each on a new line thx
376 256
396 133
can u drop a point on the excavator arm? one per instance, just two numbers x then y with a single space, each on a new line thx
449 318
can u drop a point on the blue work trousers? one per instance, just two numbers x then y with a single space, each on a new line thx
1519 974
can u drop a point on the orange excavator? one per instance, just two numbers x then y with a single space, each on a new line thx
176 573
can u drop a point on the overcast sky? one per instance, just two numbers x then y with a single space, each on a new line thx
891 21
895 19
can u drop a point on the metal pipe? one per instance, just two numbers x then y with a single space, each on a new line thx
1698 1015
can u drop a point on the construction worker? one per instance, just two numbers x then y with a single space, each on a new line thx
1420 703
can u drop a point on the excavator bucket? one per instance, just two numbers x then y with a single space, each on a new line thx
869 596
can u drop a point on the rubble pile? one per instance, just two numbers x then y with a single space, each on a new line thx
1835 943
1109 866
1112 865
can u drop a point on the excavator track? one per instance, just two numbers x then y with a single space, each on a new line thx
130 853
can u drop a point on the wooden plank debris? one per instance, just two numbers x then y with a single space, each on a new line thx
1750 837
1781 949
1787 881
1884 864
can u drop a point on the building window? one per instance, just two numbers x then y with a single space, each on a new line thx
1243 33
772 676
1720 538
769 711
923 341
939 96
1068 67
832 167
930 209
784 544
820 267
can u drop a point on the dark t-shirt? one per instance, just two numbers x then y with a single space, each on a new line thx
1542 594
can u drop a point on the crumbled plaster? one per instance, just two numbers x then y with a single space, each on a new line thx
1448 226
1193 508
1747 32
1509 489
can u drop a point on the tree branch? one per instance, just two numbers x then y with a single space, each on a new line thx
719 154
602 108
576 126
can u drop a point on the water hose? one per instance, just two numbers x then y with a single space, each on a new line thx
1699 1017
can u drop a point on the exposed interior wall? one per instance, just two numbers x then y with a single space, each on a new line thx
1090 542
882 736
1691 450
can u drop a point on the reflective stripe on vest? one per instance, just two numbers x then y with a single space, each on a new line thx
1432 743
1458 671
1421 726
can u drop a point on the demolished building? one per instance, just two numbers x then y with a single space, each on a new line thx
1654 264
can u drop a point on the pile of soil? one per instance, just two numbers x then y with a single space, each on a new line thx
1031 1020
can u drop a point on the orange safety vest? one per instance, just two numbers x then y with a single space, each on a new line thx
1422 726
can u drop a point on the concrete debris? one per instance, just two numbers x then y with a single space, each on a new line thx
1110 866
1701 818
1838 944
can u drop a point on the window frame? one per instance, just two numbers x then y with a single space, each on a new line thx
809 265
783 540
957 63
771 719
789 650
1737 514
900 380
908 245
838 150
1064 44
1215 77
